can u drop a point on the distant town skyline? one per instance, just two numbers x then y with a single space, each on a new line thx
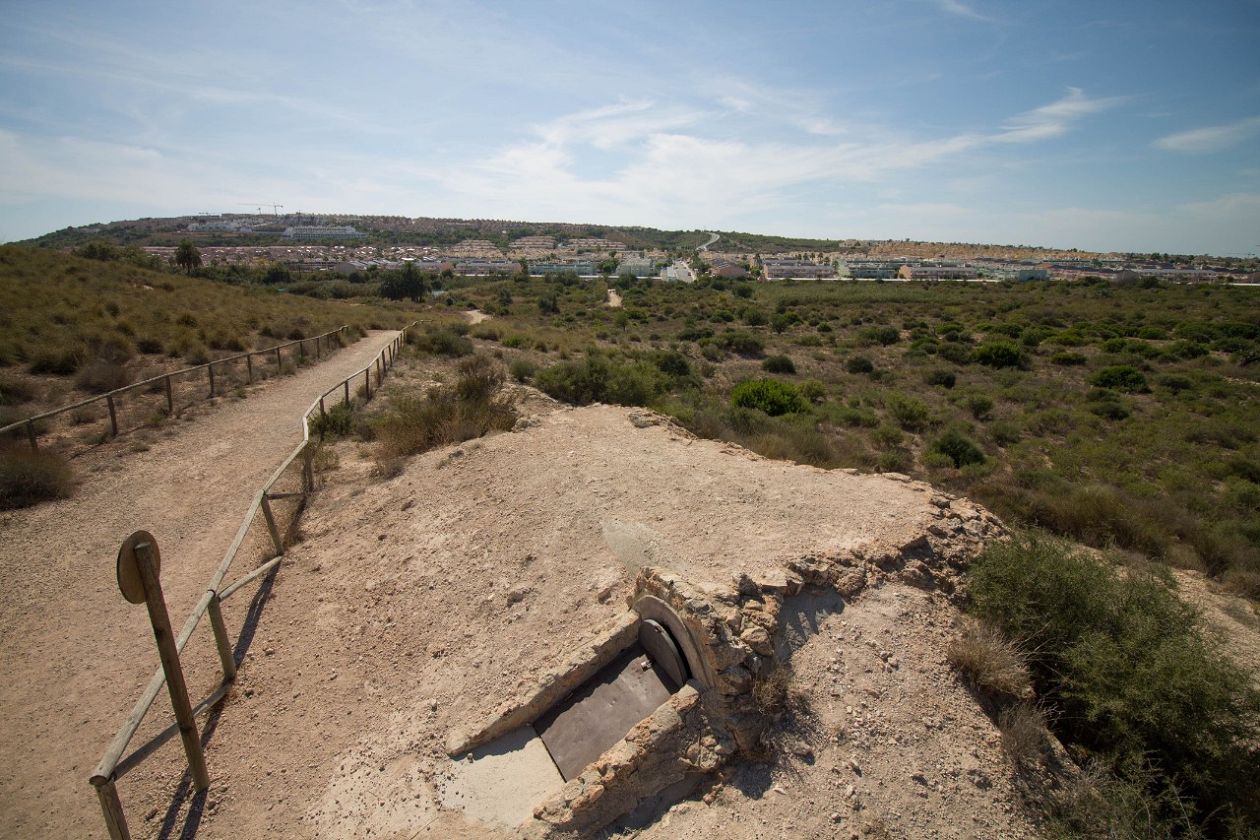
1109 126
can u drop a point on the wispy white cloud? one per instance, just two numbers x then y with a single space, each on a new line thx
1054 119
1212 138
963 10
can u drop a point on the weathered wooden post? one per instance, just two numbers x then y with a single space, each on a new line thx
346 384
139 564
249 367
30 434
221 640
279 364
113 415
170 398
301 350
367 384
111 807
271 525
210 367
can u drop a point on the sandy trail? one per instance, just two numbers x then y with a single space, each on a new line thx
76 654
614 299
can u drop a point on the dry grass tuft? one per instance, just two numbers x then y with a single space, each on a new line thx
27 478
469 408
1023 729
990 662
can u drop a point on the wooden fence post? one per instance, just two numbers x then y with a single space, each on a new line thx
221 640
279 364
249 367
301 349
169 654
113 415
271 525
322 413
170 398
111 807
210 367
367 384
347 387
30 434
308 471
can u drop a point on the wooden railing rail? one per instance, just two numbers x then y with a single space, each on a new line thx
113 764
109 397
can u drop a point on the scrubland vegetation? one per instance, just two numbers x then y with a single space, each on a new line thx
71 327
1133 685
1115 416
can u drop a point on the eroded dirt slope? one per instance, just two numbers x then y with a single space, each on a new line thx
417 604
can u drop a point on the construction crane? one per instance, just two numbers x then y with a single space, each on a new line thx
275 208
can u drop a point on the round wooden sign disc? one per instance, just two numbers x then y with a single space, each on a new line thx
129 572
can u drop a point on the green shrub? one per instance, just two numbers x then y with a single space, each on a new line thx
1131 673
337 421
741 343
1000 353
941 378
778 364
600 379
959 448
522 369
1120 378
980 406
1068 358
859 364
672 363
445 342
60 362
28 477
911 414
768 395
813 390
883 335
959 354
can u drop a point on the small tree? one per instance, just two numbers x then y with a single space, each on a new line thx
187 256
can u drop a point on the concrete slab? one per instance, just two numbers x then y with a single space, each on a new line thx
502 781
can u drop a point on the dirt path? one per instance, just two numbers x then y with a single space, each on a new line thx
476 316
614 299
75 654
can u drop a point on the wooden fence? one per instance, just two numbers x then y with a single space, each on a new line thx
164 382
113 764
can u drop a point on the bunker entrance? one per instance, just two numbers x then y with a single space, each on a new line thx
602 710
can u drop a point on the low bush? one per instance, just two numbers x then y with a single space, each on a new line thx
941 378
741 343
468 408
990 662
960 449
778 364
1133 677
101 376
859 364
768 395
1120 378
1000 353
522 370
883 335
599 378
15 391
337 421
444 342
60 362
911 414
980 406
28 477
1068 358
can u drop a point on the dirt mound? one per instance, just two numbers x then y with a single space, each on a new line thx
422 606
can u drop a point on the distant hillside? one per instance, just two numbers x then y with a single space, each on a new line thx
435 232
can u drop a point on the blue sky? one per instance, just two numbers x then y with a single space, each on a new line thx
1100 125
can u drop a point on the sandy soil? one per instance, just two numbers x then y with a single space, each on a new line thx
614 299
75 653
416 604
476 316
